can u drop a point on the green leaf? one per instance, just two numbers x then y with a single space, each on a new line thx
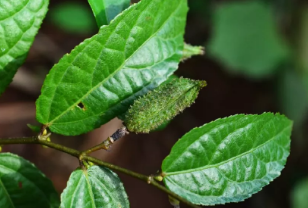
19 23
229 159
162 104
104 74
73 17
95 187
299 195
245 38
190 51
23 185
301 39
106 10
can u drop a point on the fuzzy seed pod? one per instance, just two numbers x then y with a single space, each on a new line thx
162 104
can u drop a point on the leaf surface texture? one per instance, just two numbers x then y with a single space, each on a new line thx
94 188
22 185
19 23
102 76
229 159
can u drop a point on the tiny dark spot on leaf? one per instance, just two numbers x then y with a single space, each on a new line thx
20 184
81 106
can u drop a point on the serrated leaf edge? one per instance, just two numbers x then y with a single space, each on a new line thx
230 159
119 68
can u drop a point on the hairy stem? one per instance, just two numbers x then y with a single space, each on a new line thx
82 156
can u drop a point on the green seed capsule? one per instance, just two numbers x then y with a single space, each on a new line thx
162 104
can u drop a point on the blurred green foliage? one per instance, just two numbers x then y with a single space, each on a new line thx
292 95
73 17
245 38
302 42
262 40
299 196
200 7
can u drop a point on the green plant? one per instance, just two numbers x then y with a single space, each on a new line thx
299 195
224 161
245 38
249 39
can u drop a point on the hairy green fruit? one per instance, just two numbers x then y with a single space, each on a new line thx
162 104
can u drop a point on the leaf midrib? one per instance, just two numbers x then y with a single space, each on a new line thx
15 12
6 193
23 32
84 118
85 173
226 161
202 134
106 189
74 193
15 44
118 69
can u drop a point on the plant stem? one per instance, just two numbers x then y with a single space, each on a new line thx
107 143
82 156
35 140
96 148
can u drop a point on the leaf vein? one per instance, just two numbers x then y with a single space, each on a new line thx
231 159
107 78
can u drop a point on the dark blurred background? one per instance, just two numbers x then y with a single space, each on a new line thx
256 60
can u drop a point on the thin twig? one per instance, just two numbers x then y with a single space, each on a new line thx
83 156
107 143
